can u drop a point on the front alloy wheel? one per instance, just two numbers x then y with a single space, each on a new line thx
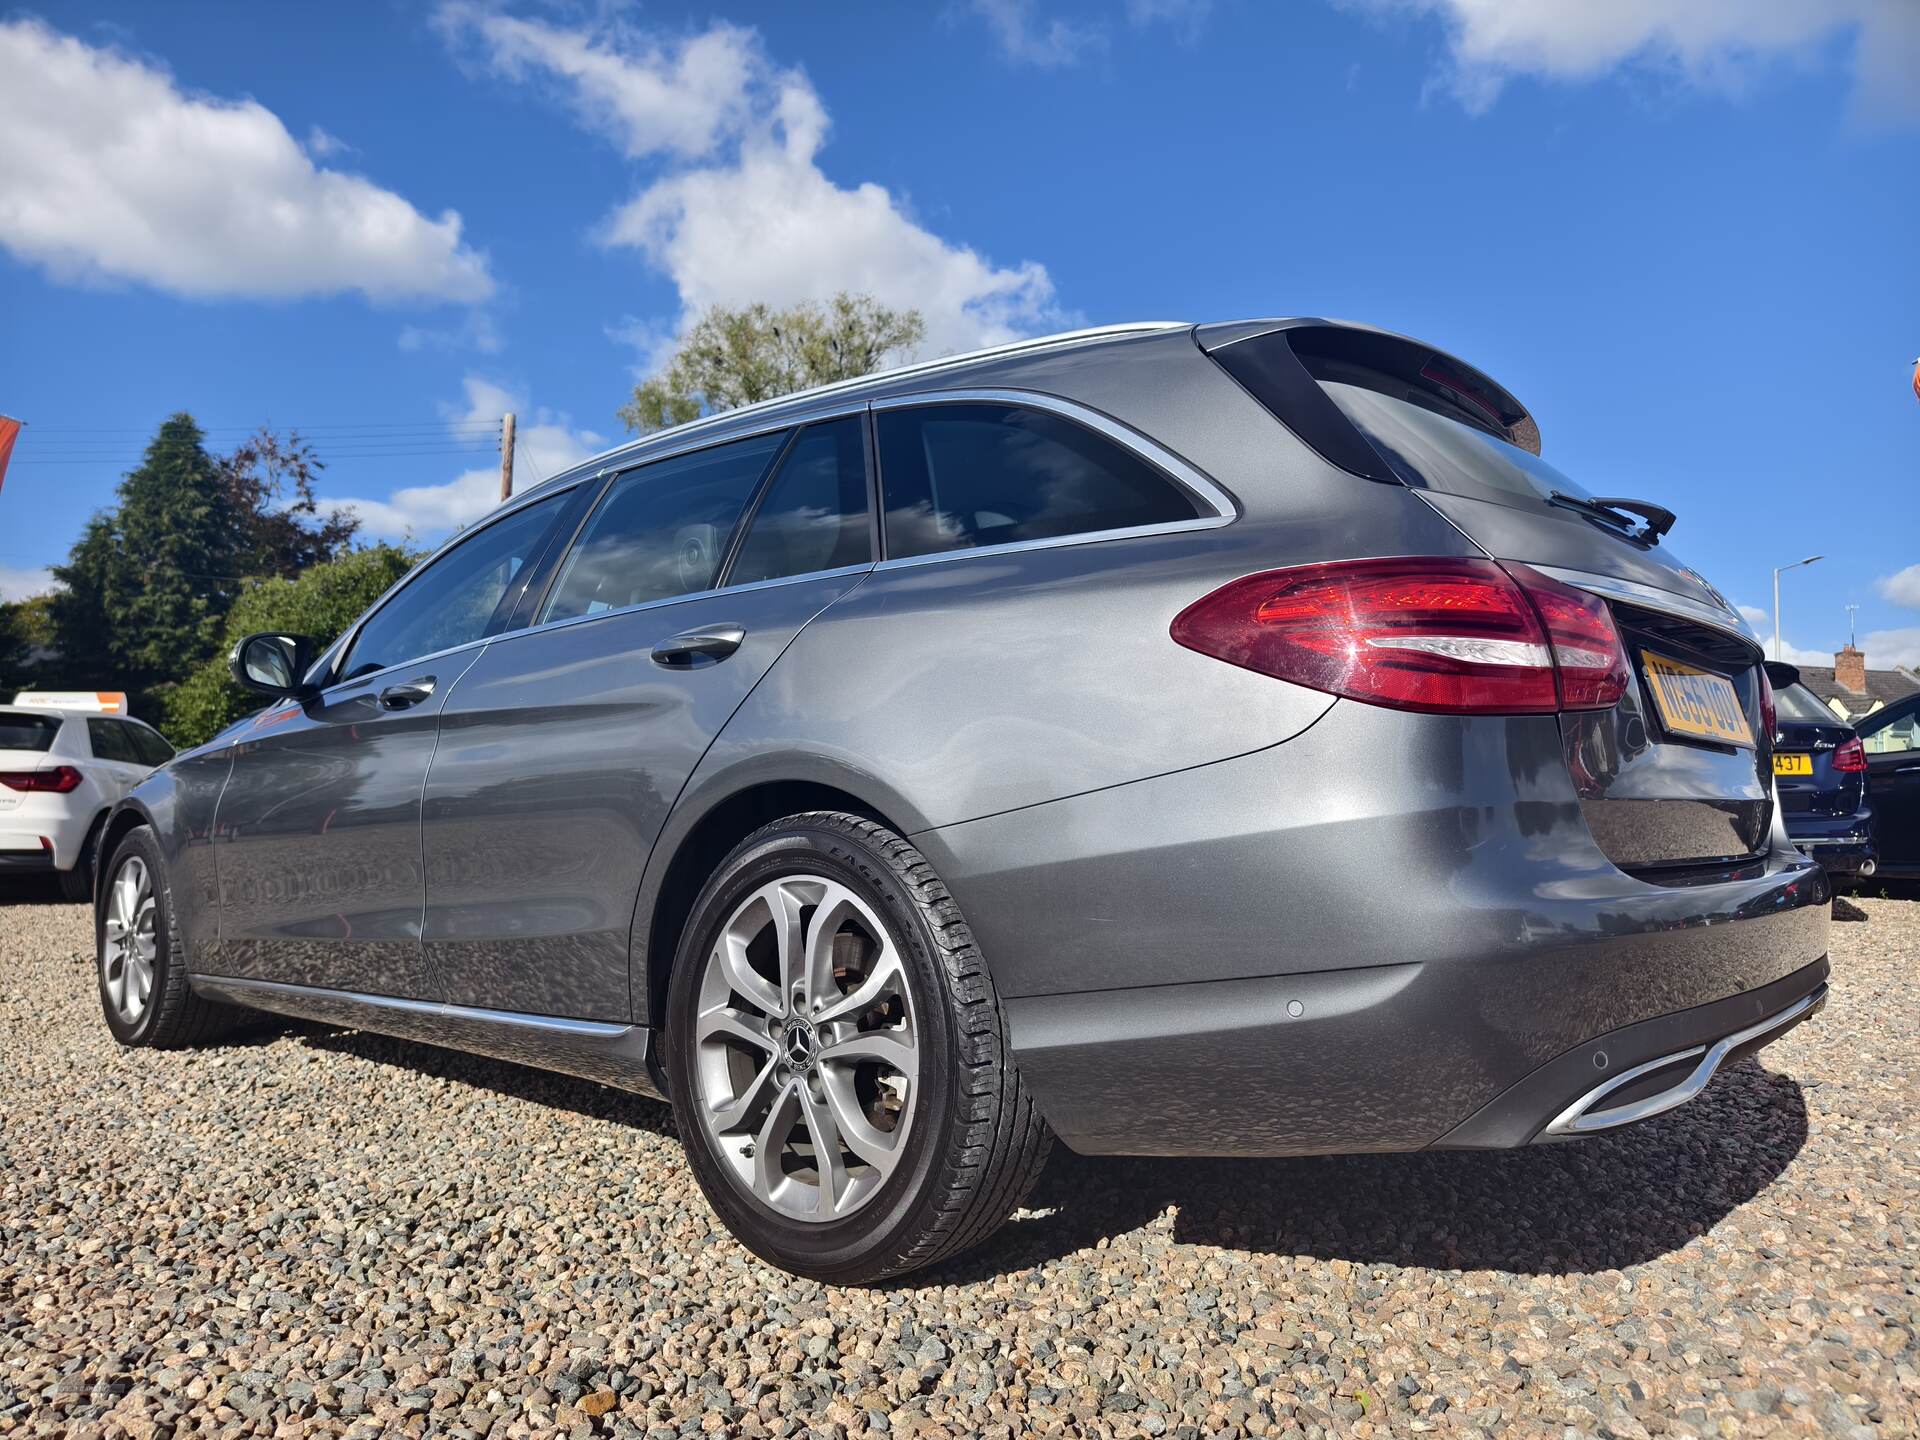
128 946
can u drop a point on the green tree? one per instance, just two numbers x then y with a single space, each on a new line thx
269 480
26 630
147 587
319 604
737 357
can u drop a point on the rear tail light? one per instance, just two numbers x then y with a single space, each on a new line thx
59 780
1769 715
1450 636
1851 757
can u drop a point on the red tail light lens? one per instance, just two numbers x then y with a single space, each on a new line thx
1449 636
1769 713
1851 757
59 780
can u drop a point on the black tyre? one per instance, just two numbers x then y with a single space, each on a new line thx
140 958
838 1057
76 885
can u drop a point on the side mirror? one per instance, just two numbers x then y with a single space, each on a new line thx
271 665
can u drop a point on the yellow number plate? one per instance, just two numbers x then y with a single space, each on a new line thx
1792 764
1696 702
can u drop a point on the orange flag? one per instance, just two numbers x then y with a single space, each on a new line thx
9 429
1916 395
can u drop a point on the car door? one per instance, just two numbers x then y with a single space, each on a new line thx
318 829
1892 742
565 746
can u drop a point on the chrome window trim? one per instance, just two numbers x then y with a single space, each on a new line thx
1652 597
800 399
666 600
511 506
1182 472
550 625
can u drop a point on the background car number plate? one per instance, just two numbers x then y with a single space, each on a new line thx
1696 702
1792 764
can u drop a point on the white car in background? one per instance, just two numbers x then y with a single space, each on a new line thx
66 758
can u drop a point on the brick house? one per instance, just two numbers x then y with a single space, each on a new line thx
1851 690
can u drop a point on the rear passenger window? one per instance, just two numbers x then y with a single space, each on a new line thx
959 476
814 516
111 742
662 529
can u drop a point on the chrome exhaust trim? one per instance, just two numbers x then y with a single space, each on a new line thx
1582 1118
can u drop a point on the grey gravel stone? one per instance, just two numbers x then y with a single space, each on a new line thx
307 1232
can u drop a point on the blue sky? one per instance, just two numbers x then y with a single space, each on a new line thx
1688 244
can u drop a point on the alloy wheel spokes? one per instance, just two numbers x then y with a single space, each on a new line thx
129 948
806 1052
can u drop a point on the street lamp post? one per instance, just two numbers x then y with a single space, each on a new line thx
1776 596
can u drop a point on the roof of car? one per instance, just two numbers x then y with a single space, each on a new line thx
799 399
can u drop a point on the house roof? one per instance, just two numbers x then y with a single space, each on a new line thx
1886 686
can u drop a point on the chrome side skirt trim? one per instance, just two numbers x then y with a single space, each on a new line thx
611 1052
1582 1118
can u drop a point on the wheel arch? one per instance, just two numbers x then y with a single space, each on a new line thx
124 818
697 844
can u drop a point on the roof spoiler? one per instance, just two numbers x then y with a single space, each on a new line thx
1282 362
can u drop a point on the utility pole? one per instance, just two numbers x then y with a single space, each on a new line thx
506 457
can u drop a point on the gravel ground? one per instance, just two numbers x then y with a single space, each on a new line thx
318 1233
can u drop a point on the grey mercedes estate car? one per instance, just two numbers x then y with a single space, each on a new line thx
1224 740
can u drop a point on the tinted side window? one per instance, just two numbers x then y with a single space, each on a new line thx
111 742
450 602
814 516
661 529
959 476
149 745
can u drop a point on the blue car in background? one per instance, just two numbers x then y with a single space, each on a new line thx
1820 767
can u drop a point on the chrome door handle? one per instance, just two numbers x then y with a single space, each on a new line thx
407 693
690 647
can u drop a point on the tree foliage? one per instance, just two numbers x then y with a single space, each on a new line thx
734 357
322 602
146 589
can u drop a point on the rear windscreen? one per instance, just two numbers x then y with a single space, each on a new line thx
28 732
1796 702
1429 450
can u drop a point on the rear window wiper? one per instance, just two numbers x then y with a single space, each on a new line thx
1655 520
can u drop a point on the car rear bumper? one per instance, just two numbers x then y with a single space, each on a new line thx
24 862
1351 942
1842 844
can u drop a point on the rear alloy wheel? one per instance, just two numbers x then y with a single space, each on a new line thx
838 1057
129 946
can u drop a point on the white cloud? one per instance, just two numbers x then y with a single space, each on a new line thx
738 209
1902 587
1886 648
546 444
1025 39
476 331
1716 43
18 584
681 99
108 171
1762 623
